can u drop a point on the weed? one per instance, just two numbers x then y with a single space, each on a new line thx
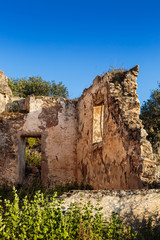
44 219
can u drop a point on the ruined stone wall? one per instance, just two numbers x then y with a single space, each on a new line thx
97 141
10 166
5 92
124 155
54 120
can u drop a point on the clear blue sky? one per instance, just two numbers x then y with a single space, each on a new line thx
74 40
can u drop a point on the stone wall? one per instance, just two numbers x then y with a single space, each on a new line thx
135 207
54 120
97 141
124 157
5 92
11 168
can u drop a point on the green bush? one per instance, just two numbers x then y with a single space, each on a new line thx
150 115
33 159
33 152
23 87
44 218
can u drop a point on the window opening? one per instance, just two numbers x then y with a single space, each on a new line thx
98 119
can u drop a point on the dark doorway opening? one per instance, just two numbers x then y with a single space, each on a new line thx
33 158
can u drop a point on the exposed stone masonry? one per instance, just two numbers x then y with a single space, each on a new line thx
124 95
5 92
123 160
120 159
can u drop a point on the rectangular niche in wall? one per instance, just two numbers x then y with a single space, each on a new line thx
98 119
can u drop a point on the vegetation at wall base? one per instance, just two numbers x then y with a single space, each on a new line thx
46 217
29 189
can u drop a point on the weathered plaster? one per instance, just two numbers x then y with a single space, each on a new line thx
113 155
121 160
62 152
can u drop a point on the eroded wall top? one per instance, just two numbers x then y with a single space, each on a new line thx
98 140
122 157
5 92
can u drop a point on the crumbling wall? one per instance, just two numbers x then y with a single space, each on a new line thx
97 141
54 120
5 92
124 156
10 124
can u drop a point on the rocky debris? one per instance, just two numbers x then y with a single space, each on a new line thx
135 207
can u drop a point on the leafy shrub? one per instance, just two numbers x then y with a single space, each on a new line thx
150 115
33 158
44 218
118 75
33 152
37 86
